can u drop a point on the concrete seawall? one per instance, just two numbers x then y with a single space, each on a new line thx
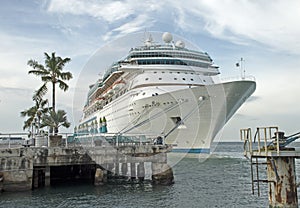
32 167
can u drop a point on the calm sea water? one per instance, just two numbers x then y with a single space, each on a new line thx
222 180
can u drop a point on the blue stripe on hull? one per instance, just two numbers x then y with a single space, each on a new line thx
196 151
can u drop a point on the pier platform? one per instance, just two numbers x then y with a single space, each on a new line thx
26 168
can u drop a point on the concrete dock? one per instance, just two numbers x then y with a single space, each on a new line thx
26 168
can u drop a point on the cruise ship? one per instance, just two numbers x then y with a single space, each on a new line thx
167 90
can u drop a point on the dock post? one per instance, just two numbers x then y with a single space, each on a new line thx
47 176
132 171
117 169
124 169
162 174
99 177
282 182
1 181
109 169
141 171
35 179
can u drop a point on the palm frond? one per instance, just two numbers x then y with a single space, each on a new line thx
56 119
63 85
27 123
39 94
36 65
46 78
66 75
29 112
38 72
62 62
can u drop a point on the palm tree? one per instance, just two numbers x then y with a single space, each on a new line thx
51 72
35 111
55 120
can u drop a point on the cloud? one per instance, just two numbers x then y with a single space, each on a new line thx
134 26
108 11
242 22
274 24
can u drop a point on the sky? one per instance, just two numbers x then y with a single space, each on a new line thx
264 32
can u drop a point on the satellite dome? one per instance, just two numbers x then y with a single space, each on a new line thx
180 44
167 37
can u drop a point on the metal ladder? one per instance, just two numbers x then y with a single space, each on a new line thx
262 134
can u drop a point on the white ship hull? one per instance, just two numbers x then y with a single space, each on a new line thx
189 117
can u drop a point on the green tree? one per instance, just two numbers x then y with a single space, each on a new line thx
35 111
55 120
51 72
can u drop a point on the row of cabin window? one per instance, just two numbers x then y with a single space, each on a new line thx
174 79
171 62
169 54
173 72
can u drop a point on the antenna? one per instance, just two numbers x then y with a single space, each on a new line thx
241 65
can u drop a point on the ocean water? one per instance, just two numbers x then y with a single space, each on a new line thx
221 180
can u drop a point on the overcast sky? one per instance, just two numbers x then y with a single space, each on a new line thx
264 32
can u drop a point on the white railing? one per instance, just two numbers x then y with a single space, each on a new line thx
17 140
266 139
100 139
237 78
12 140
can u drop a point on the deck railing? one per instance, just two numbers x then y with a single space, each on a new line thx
16 140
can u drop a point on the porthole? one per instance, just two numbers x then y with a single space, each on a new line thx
183 78
154 72
175 78
147 79
192 79
159 78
